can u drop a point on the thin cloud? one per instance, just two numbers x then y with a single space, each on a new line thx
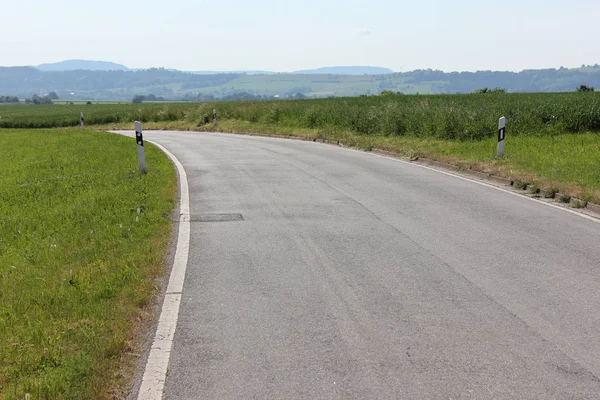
364 32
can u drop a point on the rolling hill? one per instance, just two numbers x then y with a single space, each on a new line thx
86 65
347 71
24 82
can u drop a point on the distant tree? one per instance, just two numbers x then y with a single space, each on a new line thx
299 96
53 95
486 90
9 99
138 98
89 102
45 100
242 96
585 89
35 99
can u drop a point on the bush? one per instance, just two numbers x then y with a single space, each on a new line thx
585 88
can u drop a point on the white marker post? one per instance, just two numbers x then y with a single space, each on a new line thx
81 120
501 136
140 146
214 116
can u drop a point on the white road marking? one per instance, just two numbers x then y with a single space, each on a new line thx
596 220
155 373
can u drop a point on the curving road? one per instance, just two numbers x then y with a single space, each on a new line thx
317 272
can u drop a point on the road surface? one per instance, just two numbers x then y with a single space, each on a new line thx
317 272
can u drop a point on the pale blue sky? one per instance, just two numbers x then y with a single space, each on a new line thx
459 35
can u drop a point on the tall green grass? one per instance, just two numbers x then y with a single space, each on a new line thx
82 237
63 115
453 117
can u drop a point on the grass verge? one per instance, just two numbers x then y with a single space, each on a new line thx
83 237
566 162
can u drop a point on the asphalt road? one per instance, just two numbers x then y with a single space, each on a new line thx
354 276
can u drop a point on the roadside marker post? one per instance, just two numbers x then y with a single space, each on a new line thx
81 120
501 136
139 139
214 116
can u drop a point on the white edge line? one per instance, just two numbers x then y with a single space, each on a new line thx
155 373
596 220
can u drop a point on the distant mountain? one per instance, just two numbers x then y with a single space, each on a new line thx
86 65
232 72
176 85
347 71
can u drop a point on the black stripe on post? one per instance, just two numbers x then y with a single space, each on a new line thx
139 138
501 136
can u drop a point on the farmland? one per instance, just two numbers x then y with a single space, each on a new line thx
452 117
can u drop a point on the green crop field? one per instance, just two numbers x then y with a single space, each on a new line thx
462 117
83 238
65 115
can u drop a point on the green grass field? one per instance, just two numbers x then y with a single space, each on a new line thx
83 238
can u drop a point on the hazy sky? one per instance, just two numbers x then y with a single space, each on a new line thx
458 35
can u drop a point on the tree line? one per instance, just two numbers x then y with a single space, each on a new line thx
9 99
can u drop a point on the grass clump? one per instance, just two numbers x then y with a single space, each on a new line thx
550 193
576 203
82 238
534 189
520 185
564 198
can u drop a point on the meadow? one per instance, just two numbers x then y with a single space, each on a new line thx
83 240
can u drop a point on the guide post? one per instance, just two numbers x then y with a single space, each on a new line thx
501 136
140 146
